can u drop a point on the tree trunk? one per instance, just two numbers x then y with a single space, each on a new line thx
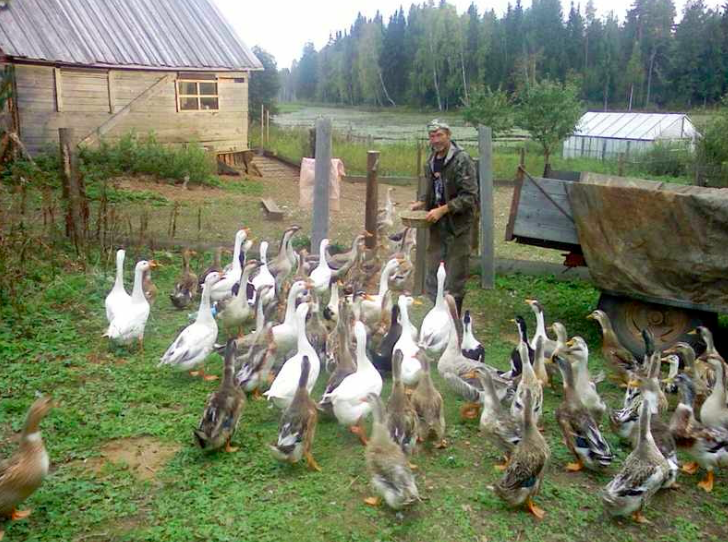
631 94
465 81
649 77
384 89
434 77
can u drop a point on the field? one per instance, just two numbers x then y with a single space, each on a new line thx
125 469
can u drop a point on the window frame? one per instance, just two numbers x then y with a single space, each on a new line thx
198 96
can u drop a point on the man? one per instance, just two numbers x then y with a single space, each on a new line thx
450 199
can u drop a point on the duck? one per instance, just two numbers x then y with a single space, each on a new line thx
471 347
523 477
343 263
26 469
321 276
649 383
285 334
255 363
707 446
215 267
285 261
673 364
391 475
382 354
131 319
549 345
196 341
515 360
497 424
224 286
264 276
331 311
315 327
411 367
529 383
428 404
387 214
371 308
283 389
234 312
150 289
117 299
186 286
402 419
539 362
706 336
693 368
616 355
339 338
714 412
576 352
347 398
624 421
461 373
297 427
435 329
223 409
580 431
642 475
344 364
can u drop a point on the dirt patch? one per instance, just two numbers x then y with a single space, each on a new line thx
144 456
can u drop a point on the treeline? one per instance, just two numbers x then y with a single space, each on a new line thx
431 56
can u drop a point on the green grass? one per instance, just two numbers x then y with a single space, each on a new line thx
52 344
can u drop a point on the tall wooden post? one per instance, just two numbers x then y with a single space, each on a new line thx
267 127
262 126
320 228
71 190
487 249
312 143
620 164
372 208
422 233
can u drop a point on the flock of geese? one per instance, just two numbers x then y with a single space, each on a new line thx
312 313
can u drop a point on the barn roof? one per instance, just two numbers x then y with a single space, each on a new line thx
636 126
157 34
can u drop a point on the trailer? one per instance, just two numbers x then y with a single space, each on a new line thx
656 251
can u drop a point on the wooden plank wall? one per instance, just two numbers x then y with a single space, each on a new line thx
539 218
87 102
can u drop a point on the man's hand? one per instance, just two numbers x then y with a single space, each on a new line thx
417 205
437 213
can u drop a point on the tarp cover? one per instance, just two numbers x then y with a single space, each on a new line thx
659 241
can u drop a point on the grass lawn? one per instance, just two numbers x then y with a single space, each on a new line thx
124 467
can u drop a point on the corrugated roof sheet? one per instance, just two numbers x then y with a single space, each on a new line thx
186 34
636 126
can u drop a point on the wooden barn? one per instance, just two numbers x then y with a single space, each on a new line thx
109 67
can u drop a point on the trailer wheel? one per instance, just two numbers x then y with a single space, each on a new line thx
669 324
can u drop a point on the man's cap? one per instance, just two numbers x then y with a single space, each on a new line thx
436 124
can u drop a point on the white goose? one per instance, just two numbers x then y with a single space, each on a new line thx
284 386
130 320
285 334
224 287
435 329
331 311
264 277
196 341
117 298
549 345
411 366
348 397
321 276
236 311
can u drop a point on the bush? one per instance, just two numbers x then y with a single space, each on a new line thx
132 155
665 159
712 148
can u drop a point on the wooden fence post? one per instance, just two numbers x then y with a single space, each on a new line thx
312 143
372 201
487 248
267 127
320 229
620 165
422 234
262 126
71 189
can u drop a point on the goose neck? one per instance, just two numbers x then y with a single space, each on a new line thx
137 294
236 253
119 283
204 315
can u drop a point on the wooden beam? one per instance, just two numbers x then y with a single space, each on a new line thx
57 80
110 82
372 198
320 229
112 121
487 222
70 179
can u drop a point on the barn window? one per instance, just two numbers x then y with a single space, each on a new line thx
197 95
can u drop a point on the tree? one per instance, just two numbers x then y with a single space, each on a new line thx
490 108
307 73
264 85
712 148
550 111
634 74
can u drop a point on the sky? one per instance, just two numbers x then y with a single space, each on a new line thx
282 27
